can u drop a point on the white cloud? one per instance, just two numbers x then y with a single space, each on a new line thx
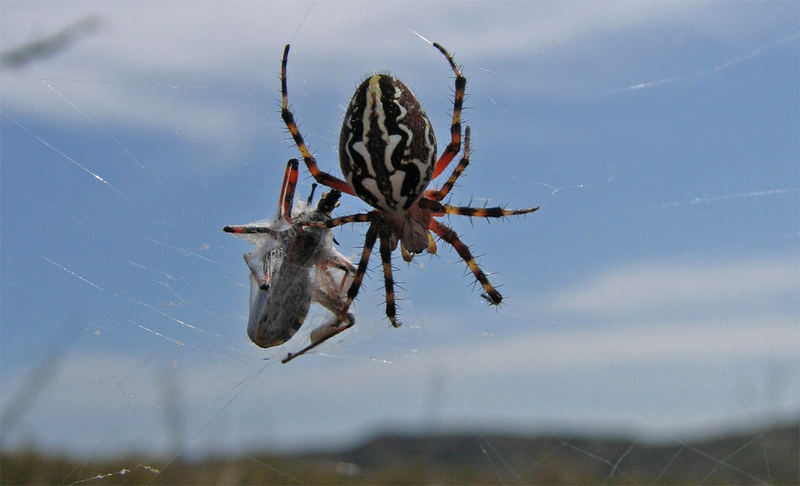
229 398
666 343
656 286
170 66
654 333
118 402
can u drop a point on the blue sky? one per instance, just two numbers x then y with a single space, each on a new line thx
655 292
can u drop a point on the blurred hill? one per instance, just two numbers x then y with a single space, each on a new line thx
768 456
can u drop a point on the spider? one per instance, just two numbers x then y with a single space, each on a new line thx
387 153
282 283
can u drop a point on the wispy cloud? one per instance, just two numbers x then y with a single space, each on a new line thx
654 286
175 69
660 342
654 331
713 69
119 401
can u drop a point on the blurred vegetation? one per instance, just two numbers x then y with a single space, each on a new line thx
770 456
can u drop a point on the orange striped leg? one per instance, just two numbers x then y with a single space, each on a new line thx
285 202
462 165
288 118
455 128
440 209
388 280
287 190
369 242
450 236
496 212
334 222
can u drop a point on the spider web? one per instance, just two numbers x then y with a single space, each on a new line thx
651 301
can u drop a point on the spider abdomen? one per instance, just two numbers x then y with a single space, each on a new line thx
387 148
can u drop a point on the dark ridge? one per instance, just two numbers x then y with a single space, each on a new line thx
764 456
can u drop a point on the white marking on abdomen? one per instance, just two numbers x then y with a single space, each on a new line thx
371 185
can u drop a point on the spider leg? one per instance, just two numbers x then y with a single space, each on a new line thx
440 209
450 236
388 280
334 328
462 165
369 242
285 202
288 118
496 212
334 222
455 128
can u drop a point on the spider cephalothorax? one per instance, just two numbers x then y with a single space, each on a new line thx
387 153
